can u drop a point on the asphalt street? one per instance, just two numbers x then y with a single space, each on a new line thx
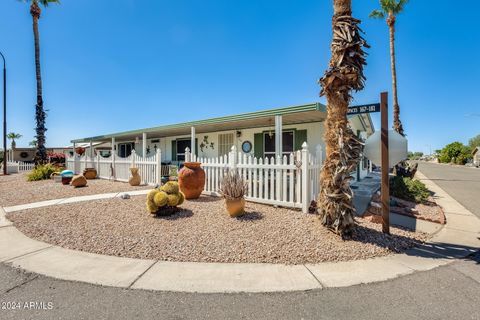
448 292
462 183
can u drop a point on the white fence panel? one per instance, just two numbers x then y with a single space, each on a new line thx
290 181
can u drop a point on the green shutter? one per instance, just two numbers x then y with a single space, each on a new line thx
300 138
196 147
258 145
174 150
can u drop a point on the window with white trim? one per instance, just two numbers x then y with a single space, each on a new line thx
225 143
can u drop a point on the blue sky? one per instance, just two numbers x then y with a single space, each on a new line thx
115 65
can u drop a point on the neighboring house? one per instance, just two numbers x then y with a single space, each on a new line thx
255 133
28 154
476 156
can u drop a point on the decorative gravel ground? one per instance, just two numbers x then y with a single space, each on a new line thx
204 232
15 189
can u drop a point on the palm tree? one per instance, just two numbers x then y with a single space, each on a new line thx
40 115
389 9
12 136
345 74
33 143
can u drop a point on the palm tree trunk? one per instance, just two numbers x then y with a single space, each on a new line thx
397 124
345 73
41 154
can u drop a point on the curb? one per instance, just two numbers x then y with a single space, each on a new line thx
457 239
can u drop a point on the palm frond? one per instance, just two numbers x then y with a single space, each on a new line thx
377 14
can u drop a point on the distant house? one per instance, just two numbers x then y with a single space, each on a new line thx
476 156
28 154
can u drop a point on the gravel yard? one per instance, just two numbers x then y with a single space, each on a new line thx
15 189
204 232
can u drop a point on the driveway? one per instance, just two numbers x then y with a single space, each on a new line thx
462 183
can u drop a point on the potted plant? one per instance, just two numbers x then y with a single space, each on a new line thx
233 188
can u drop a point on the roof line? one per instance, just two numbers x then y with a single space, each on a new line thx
242 116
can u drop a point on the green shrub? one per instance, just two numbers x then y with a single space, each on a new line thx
455 152
41 172
409 189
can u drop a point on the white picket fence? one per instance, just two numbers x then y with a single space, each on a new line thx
17 166
117 168
290 181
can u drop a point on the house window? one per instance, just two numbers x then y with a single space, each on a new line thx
181 146
288 140
225 143
125 149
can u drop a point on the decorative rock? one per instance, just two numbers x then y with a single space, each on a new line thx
78 181
90 173
125 196
135 179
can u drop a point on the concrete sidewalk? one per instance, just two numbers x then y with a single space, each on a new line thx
458 238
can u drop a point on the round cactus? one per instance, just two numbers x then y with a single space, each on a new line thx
173 199
161 199
152 207
181 198
151 195
171 187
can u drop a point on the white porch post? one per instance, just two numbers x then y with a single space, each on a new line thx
192 144
144 144
91 153
159 167
112 173
278 137
75 166
305 179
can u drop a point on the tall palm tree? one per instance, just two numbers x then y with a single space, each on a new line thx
389 9
40 115
344 75
12 136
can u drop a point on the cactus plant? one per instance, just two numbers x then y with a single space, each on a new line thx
164 200
171 187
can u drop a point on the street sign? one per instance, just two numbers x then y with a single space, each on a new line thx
397 148
364 108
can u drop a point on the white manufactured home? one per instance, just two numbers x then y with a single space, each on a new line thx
278 151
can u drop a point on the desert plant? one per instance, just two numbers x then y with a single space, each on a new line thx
409 189
164 200
40 114
455 152
41 172
233 187
344 75
12 136
389 9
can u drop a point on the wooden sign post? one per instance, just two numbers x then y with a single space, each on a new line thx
385 188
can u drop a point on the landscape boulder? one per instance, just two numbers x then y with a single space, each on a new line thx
78 181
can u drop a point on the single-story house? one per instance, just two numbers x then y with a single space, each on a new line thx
28 154
476 156
262 134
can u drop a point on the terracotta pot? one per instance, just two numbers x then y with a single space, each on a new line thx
135 179
191 179
235 207
90 173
